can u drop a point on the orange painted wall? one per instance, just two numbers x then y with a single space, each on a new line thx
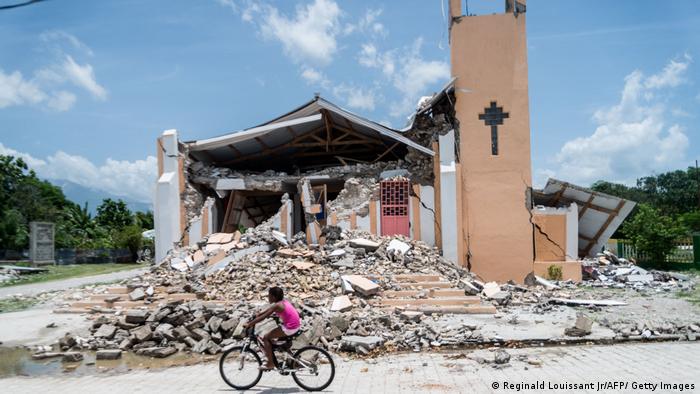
554 248
489 59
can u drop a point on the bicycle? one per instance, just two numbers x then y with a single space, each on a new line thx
239 366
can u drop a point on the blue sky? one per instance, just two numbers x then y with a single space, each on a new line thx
87 86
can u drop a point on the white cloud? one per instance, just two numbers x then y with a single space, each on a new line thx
15 90
671 76
632 138
132 179
84 77
355 97
47 86
315 77
367 24
55 39
307 37
61 101
407 71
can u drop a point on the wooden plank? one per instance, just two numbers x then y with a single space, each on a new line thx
602 228
586 205
387 151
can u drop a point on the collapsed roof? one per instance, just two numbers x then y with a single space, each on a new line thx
317 134
599 214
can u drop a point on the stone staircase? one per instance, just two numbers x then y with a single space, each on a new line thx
430 294
118 298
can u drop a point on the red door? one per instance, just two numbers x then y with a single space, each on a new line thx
394 206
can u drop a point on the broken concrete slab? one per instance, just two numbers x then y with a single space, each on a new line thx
137 295
490 289
280 237
71 357
579 302
581 328
341 304
365 244
360 343
106 331
469 287
108 354
396 246
157 352
362 285
136 316
142 333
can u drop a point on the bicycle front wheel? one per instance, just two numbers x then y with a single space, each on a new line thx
314 369
240 369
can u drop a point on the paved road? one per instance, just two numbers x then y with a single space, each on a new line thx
34 289
422 373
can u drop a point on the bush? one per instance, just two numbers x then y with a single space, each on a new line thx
554 272
652 233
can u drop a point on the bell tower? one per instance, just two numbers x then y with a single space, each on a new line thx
489 62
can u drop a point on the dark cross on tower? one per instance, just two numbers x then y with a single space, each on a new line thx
493 116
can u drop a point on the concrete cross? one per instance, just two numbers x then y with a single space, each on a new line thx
493 116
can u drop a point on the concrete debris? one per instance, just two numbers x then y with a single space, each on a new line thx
608 270
366 244
108 354
398 247
361 284
501 357
581 328
341 304
577 302
137 295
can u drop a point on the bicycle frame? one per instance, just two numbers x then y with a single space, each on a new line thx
306 366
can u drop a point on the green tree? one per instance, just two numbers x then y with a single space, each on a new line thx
129 237
653 233
691 220
113 215
144 220
25 198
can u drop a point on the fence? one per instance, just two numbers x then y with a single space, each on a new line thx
75 256
683 251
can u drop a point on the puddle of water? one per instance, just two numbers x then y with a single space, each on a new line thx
18 361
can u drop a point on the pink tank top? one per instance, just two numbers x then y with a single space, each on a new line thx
289 316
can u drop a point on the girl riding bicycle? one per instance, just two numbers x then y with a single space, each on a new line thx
290 322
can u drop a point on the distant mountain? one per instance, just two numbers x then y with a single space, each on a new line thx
81 194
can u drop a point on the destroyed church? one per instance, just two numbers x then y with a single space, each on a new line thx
458 177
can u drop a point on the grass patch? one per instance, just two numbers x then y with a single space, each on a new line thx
58 272
13 304
692 296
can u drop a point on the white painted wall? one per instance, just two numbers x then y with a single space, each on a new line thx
195 230
427 216
448 200
167 198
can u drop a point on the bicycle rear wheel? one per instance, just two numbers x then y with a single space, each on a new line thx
314 368
240 369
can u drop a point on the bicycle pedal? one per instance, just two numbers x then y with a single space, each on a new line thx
283 372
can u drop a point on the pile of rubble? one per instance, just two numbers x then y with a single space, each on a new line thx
608 270
335 286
